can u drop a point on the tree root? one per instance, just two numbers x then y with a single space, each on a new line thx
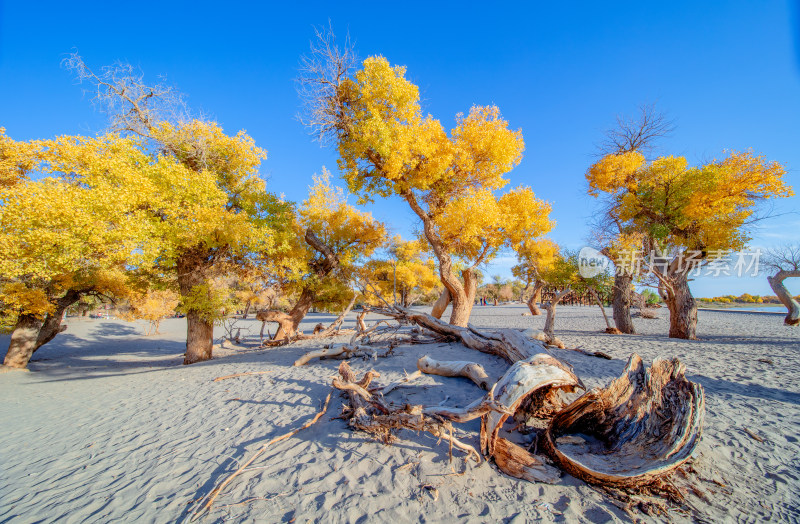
371 414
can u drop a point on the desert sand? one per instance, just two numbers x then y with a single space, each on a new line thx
109 427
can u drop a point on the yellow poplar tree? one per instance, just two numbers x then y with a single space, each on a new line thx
687 215
207 206
328 242
410 274
62 238
533 257
387 147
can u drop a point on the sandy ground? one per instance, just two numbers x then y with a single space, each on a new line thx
110 427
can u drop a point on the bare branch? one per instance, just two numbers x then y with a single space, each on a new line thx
637 134
119 91
323 72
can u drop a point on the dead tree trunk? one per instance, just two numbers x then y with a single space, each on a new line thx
30 333
641 426
621 303
609 328
786 298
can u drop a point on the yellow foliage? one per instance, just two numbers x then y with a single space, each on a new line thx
534 256
351 234
698 208
390 148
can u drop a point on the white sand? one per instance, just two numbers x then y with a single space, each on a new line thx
109 426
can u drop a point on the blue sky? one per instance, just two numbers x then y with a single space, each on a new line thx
727 73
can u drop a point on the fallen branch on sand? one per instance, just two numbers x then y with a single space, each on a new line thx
459 368
209 499
651 419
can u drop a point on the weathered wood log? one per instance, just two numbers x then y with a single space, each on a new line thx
541 378
516 462
338 351
509 344
455 368
643 425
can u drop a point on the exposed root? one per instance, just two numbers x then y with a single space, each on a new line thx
371 414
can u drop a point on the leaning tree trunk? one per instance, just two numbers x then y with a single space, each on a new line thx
621 303
682 308
289 322
786 298
31 333
602 308
441 304
535 298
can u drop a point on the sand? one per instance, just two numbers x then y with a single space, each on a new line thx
109 427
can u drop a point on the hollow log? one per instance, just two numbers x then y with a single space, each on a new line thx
642 426
516 462
540 377
455 368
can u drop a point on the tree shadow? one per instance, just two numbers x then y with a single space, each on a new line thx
747 390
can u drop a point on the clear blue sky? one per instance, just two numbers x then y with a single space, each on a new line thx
727 72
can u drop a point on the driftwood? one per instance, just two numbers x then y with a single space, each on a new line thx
643 425
458 368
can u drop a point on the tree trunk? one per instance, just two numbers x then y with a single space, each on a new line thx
30 333
199 332
682 308
786 298
23 342
441 304
199 338
600 305
536 297
550 320
621 303
246 309
463 302
289 322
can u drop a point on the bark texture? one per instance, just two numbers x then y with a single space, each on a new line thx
621 303
776 283
682 308
441 304
643 425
